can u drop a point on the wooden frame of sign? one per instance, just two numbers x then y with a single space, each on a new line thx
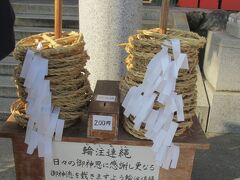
147 1
31 166
103 112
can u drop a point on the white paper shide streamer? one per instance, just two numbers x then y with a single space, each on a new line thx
159 85
43 117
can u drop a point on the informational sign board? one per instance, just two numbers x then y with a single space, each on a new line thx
100 162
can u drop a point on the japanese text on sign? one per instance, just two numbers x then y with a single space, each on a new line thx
102 122
106 98
101 162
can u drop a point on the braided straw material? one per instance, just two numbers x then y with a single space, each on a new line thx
141 48
18 110
66 71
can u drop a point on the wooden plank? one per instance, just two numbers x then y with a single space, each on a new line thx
29 166
184 167
192 138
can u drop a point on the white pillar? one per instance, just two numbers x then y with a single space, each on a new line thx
105 24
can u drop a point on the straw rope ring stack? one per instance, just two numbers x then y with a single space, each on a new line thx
141 48
66 71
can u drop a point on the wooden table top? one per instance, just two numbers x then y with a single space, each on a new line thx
193 138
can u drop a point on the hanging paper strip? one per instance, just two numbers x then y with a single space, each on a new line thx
43 120
159 87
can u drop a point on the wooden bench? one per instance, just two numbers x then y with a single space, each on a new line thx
30 167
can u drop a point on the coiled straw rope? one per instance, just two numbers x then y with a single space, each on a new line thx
68 78
141 48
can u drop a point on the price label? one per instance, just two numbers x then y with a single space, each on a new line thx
102 122
106 98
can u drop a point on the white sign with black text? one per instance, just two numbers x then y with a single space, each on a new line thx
106 98
101 161
102 122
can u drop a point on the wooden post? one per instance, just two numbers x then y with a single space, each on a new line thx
58 18
164 16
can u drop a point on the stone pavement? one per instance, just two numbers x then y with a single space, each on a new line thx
220 162
7 170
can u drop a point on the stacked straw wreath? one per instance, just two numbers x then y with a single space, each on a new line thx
141 48
66 71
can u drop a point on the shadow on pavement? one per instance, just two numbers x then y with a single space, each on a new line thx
222 160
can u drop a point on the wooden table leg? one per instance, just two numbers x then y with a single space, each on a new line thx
184 167
28 167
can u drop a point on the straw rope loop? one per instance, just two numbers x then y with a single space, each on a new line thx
141 48
66 71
